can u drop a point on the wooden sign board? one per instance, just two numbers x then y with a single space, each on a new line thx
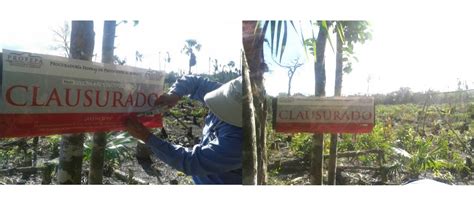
324 114
43 95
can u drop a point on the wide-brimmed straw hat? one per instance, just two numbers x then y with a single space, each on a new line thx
226 102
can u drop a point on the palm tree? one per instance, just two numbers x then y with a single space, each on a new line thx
216 66
167 59
191 44
230 65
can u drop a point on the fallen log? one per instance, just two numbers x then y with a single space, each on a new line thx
127 178
355 153
358 168
30 170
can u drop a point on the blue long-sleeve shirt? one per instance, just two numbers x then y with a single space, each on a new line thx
217 159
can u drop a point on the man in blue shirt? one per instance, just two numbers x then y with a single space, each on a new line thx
217 159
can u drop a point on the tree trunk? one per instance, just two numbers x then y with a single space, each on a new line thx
338 82
35 150
337 92
72 145
262 148
249 149
97 158
289 84
46 173
253 47
108 42
332 160
82 40
320 84
70 159
259 103
100 139
317 159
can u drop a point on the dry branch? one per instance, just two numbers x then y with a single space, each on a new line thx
358 168
30 170
356 153
128 179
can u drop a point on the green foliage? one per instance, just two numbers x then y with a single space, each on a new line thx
117 149
300 144
280 29
6 156
405 95
417 141
53 139
199 112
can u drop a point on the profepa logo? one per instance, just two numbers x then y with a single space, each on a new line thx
24 60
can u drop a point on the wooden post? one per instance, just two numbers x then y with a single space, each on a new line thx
317 159
332 160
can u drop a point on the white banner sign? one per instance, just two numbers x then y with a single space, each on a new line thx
325 114
44 94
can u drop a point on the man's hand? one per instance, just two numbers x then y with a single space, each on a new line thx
136 129
167 100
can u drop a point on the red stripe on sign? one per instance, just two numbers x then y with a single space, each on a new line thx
21 125
324 127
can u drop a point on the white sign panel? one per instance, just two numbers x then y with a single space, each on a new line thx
43 94
325 115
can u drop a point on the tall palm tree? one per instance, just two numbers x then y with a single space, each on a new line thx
231 65
188 49
167 59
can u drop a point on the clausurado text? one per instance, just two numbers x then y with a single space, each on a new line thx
76 97
324 115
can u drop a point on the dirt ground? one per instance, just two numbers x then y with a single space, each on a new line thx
285 168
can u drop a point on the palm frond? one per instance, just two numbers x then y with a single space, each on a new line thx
325 26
